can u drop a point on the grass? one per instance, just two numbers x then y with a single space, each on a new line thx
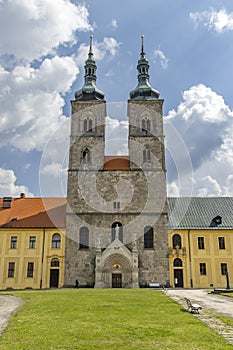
105 319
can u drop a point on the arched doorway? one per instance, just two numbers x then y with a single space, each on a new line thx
178 273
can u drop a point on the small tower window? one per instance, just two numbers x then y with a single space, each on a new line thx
146 155
86 156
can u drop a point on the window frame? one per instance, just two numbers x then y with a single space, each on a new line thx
13 242
224 269
201 242
32 242
11 269
148 237
202 269
176 241
30 269
221 243
56 243
84 238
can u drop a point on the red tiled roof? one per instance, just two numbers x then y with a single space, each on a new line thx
116 163
34 212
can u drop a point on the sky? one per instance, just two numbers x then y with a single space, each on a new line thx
44 45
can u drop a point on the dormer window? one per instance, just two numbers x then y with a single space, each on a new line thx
217 220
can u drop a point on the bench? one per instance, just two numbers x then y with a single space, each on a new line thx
154 285
193 308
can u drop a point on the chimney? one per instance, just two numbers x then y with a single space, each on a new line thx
7 202
22 195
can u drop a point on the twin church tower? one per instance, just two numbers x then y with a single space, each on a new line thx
116 220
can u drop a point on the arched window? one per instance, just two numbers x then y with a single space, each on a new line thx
146 155
84 238
87 124
117 228
177 263
176 241
145 124
55 262
56 240
86 156
148 237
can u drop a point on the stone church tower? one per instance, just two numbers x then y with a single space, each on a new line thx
116 223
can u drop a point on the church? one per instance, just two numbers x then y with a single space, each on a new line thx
116 228
116 219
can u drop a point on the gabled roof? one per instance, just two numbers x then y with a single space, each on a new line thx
198 212
34 212
184 212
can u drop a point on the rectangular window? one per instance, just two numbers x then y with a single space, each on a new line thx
32 242
11 269
13 242
30 269
201 244
202 269
116 205
221 242
223 268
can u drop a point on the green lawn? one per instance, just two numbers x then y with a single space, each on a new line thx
105 319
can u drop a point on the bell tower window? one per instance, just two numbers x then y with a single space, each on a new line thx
86 156
145 124
87 124
146 155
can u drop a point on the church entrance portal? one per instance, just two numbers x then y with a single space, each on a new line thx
116 280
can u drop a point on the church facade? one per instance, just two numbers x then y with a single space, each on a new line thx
116 220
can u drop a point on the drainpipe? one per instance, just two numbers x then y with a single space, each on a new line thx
42 259
190 260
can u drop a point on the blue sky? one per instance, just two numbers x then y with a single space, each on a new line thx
189 45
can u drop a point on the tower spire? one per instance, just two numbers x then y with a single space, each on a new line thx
89 90
144 90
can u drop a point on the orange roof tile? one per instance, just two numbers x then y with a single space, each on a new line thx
34 212
116 163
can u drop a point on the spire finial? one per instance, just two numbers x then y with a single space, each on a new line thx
144 90
90 50
142 37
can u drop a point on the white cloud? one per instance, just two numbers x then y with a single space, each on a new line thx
31 102
37 27
100 50
205 123
220 21
114 23
159 55
8 185
209 187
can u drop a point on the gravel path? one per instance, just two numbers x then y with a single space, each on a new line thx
8 304
212 305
